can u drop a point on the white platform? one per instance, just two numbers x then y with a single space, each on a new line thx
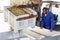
45 32
41 34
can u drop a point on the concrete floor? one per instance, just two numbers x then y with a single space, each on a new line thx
12 36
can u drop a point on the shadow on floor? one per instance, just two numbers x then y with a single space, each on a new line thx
57 28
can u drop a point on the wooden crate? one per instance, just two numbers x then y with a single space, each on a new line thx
20 18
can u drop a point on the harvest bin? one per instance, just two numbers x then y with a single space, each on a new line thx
20 18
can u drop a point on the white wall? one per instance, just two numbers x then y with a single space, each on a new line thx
5 2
